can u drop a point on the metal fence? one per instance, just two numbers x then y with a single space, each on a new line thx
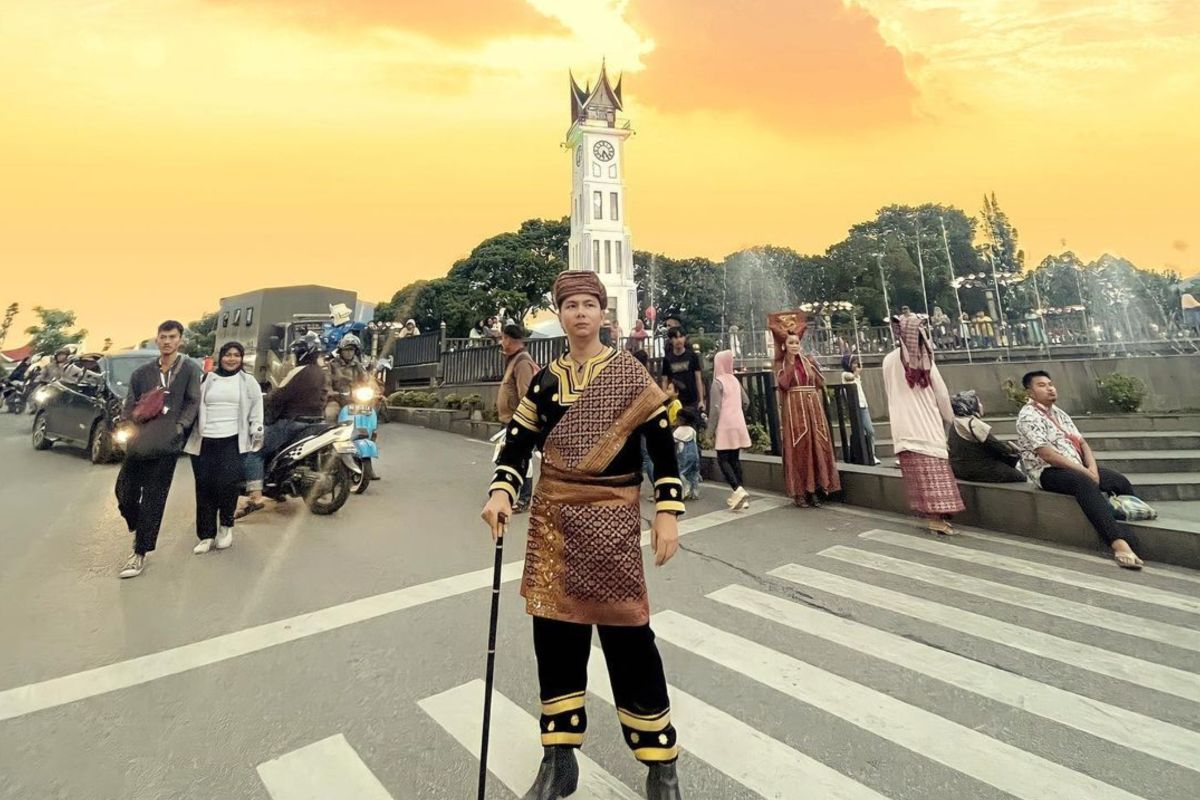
425 348
472 365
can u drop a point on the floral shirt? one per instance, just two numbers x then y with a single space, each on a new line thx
1035 430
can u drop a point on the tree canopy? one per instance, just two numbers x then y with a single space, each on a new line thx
53 330
200 339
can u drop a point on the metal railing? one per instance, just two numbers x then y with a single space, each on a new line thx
425 348
472 365
764 405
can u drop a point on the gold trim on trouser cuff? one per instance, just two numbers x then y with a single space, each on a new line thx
551 739
558 705
656 753
651 724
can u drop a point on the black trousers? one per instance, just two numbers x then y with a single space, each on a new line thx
142 488
1092 499
218 472
638 684
730 462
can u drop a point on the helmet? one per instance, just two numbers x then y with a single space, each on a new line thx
350 340
67 350
307 348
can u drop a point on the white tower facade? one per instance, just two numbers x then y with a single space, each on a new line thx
600 237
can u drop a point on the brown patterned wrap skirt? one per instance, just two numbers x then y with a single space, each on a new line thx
930 485
583 561
808 462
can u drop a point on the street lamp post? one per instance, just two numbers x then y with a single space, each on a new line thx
887 304
955 283
921 263
1003 321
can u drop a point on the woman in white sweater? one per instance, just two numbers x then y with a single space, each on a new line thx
230 423
919 408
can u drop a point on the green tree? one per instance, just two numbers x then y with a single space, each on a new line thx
514 272
445 300
200 340
1000 241
53 330
400 307
688 288
10 314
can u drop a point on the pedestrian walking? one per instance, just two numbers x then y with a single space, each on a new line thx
808 463
519 369
729 403
687 453
681 363
583 565
229 423
919 408
162 404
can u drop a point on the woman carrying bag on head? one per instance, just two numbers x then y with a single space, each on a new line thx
230 424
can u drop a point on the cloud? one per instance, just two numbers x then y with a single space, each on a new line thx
811 65
451 22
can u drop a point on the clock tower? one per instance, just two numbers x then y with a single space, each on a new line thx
600 239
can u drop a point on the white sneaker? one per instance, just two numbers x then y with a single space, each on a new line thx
134 566
202 547
224 538
741 499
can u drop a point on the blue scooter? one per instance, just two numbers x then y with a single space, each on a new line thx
361 407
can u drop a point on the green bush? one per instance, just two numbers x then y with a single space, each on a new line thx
760 438
1015 393
413 399
451 401
470 402
1123 392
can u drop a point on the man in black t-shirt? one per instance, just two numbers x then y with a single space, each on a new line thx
683 365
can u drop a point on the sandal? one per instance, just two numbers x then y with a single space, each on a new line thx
800 502
1127 560
248 509
941 527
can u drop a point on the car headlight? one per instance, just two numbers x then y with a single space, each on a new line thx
122 435
364 394
40 395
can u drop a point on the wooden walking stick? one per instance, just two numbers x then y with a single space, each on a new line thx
491 661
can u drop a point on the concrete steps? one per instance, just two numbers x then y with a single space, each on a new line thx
1116 442
1138 462
1091 425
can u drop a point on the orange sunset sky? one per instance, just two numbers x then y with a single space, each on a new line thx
158 154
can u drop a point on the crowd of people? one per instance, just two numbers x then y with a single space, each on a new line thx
940 440
225 423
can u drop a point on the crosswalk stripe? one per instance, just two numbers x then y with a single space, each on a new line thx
1126 728
514 748
755 760
1084 656
1153 630
1157 570
761 505
319 771
1021 774
1131 591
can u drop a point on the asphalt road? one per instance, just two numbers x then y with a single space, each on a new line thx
812 654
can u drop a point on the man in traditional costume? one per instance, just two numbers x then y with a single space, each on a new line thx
919 410
809 466
589 411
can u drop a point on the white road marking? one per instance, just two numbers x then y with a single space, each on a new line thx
1128 624
323 770
1081 580
1157 570
1084 656
59 691
1118 725
755 760
513 747
1020 774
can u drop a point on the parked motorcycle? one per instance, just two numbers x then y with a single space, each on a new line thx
359 410
13 393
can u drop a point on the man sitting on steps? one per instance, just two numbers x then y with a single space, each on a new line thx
1056 456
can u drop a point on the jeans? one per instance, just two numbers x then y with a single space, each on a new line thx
1092 499
142 488
276 435
688 454
864 418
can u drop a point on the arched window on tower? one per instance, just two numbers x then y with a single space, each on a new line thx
596 255
614 211
597 205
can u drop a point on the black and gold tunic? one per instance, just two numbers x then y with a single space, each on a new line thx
583 562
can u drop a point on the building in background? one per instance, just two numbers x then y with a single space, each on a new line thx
600 237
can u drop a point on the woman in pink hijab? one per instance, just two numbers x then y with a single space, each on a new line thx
728 402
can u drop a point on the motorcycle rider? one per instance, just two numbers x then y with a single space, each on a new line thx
297 403
58 365
347 369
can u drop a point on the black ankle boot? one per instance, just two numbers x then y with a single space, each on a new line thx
558 776
663 783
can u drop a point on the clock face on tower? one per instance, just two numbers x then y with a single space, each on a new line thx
603 151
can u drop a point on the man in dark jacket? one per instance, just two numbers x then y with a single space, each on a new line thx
150 456
298 402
